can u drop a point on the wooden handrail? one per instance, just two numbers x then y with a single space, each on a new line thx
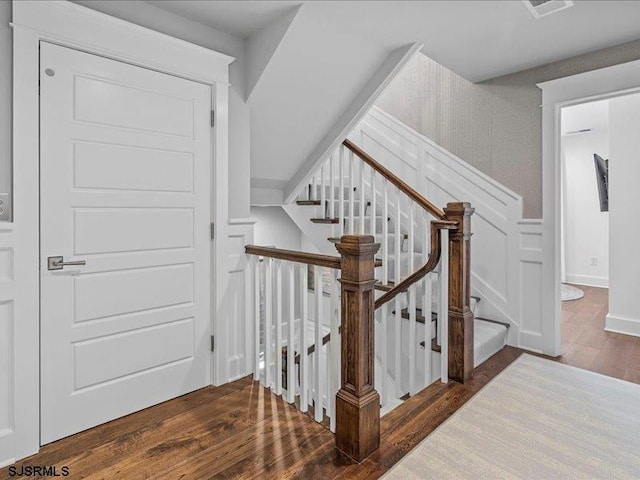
432 262
395 180
299 257
294 256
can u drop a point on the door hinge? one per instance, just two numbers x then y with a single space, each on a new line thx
213 118
213 344
213 230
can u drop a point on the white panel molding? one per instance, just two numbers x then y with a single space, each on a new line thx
236 326
572 90
505 278
7 330
530 260
588 280
70 25
626 326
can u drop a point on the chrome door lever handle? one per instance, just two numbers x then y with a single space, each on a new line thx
58 263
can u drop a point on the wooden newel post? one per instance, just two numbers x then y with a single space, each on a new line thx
357 402
460 315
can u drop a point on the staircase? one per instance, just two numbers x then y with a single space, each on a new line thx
400 317
324 215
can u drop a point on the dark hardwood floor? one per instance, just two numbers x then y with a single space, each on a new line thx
586 345
241 430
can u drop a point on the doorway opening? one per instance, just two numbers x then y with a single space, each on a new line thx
595 137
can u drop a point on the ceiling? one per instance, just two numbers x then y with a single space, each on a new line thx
477 39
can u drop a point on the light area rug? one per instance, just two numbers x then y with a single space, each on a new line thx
536 420
569 292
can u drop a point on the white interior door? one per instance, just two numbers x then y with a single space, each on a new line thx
125 187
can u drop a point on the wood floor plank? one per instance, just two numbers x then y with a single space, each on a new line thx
242 430
585 343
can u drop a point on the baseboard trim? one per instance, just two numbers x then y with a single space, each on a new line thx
626 326
588 280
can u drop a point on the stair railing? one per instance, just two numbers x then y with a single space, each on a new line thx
293 293
364 188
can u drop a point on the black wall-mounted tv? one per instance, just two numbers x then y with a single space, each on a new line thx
602 178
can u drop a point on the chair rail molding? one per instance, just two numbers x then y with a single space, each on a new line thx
563 92
67 24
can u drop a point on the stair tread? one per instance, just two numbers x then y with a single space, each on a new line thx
325 220
384 287
434 345
419 316
308 202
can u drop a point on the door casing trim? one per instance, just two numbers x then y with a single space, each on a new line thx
584 87
73 26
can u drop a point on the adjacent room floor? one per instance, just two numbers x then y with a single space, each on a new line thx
585 344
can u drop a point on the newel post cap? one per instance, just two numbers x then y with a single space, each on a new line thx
359 245
454 209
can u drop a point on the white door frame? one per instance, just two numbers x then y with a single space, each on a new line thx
74 26
595 85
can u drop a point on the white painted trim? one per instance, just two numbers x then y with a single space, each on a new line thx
242 221
626 326
588 280
71 25
361 105
590 86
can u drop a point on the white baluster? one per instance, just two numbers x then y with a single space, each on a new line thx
398 306
334 350
361 215
351 191
341 194
398 238
397 346
372 213
384 354
427 302
255 267
323 193
332 188
317 285
268 313
413 336
278 322
385 234
314 189
304 316
291 343
443 307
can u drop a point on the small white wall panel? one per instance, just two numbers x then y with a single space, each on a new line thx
7 411
6 366
104 166
95 363
100 102
6 264
137 229
235 320
115 293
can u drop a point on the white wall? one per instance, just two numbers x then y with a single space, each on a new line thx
624 194
586 228
273 227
